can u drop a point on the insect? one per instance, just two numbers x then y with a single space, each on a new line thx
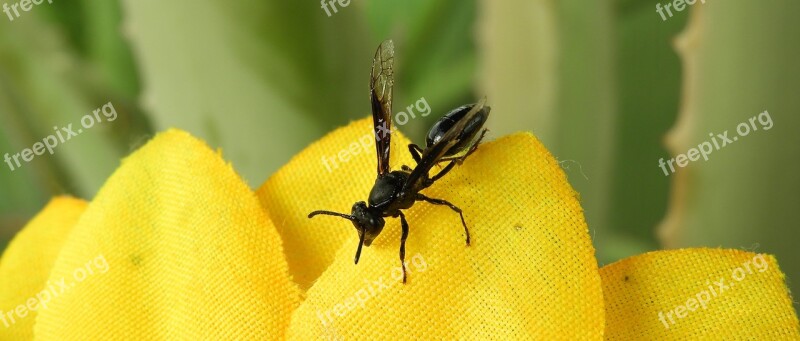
450 140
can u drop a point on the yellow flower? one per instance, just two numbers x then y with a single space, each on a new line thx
176 246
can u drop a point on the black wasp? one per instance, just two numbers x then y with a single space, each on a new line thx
451 139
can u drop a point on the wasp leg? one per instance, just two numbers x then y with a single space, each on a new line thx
441 173
472 149
421 197
416 152
403 237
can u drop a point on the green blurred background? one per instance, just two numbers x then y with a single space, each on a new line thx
608 86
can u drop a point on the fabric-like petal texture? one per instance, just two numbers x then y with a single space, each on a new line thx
174 246
698 294
530 272
26 264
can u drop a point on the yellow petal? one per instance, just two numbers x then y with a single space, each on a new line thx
174 246
529 274
318 179
698 294
26 264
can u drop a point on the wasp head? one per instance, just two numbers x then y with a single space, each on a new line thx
368 223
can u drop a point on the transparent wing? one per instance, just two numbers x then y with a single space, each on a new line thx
431 155
381 84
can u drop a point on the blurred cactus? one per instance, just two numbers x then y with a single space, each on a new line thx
263 80
44 83
740 59
556 79
598 83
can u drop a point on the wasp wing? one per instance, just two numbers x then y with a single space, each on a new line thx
381 84
431 155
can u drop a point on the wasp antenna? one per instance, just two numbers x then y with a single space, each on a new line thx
360 244
335 214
